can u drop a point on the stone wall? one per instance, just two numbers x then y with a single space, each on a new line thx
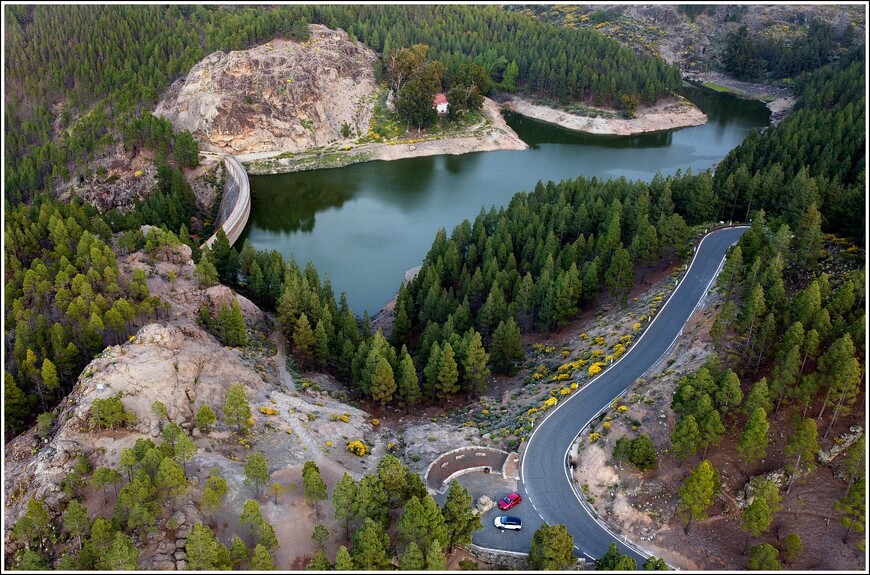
236 202
511 559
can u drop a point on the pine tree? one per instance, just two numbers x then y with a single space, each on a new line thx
121 556
319 562
276 490
315 487
656 564
436 560
686 437
804 445
231 325
613 560
412 558
619 276
370 546
239 553
763 557
459 517
383 384
237 411
698 492
391 474
205 418
476 372
792 546
262 559
448 374
201 549
755 519
213 495
506 349
840 372
753 442
75 520
170 480
853 508
729 394
552 548
251 516
759 396
343 560
343 500
412 526
256 472
303 339
408 386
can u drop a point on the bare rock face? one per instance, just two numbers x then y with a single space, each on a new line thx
180 365
283 95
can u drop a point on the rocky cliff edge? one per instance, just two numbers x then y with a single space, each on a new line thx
283 95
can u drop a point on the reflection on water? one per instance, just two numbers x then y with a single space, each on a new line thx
364 225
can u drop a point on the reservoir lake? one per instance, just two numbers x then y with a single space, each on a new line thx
364 225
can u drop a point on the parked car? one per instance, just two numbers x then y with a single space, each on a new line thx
509 501
508 522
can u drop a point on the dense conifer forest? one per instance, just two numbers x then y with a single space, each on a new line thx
790 332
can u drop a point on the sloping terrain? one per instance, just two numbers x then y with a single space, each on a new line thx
283 95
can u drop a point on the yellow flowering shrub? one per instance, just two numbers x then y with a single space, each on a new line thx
551 402
596 353
345 418
376 422
622 408
138 173
357 447
268 411
593 437
606 425
626 339
595 368
583 336
328 444
565 391
599 340
562 377
574 385
532 410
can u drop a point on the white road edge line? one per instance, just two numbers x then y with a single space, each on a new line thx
606 527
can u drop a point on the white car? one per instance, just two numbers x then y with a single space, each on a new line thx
508 522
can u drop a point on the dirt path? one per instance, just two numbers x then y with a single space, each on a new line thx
281 361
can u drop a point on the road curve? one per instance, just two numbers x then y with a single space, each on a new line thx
545 480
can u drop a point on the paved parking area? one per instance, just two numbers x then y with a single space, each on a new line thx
496 487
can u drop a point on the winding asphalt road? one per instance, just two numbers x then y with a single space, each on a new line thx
546 484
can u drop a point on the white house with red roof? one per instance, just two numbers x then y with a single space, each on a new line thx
440 103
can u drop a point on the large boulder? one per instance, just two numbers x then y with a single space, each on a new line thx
283 95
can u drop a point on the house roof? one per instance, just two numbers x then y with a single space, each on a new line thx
439 99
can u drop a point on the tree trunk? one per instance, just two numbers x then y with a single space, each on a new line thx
688 524
834 417
792 476
824 404
848 532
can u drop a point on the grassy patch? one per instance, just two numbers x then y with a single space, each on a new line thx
718 88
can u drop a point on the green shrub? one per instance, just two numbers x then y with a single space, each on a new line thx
110 413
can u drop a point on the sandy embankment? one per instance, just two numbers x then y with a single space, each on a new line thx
667 114
493 134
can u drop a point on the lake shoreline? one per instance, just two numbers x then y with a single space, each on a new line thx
667 114
492 135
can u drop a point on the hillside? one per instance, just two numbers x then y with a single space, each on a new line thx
283 95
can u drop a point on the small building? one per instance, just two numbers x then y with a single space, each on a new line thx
440 103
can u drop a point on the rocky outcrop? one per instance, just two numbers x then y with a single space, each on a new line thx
283 95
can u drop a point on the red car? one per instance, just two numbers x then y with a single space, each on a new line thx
509 500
